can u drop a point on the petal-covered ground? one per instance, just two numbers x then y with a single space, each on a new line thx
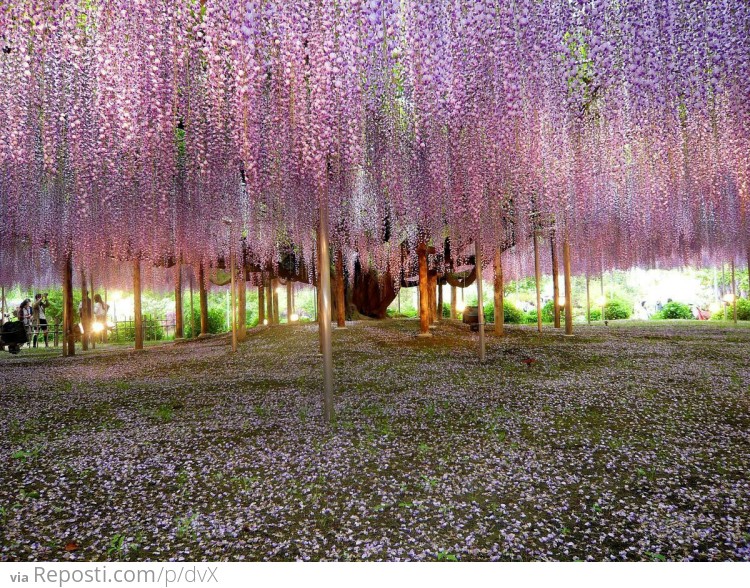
625 443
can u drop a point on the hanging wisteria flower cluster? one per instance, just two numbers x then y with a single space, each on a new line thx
131 129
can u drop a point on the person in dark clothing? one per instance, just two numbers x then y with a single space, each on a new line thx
39 318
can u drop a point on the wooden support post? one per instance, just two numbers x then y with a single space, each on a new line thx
192 310
69 347
734 294
241 306
203 295
289 308
538 278
340 290
261 304
325 311
555 280
568 287
2 306
92 316
454 312
588 299
179 328
269 301
424 292
275 294
433 297
439 301
106 318
233 313
137 304
85 323
499 294
480 298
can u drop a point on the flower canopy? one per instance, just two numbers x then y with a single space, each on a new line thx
131 129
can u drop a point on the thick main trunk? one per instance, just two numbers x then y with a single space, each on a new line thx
454 301
498 292
371 293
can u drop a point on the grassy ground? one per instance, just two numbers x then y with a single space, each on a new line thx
628 442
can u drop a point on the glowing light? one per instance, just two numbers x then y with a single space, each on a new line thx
460 306
561 301
80 328
294 317
97 327
728 298
714 307
601 301
265 321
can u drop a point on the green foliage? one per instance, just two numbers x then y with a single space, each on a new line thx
54 311
617 310
217 321
596 314
674 310
126 330
511 314
743 311
548 312
446 556
529 317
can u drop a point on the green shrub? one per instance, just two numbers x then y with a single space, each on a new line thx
617 310
217 321
548 312
743 311
596 314
513 315
674 310
126 330
529 317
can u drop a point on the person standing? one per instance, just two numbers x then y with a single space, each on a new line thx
24 315
39 317
100 314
